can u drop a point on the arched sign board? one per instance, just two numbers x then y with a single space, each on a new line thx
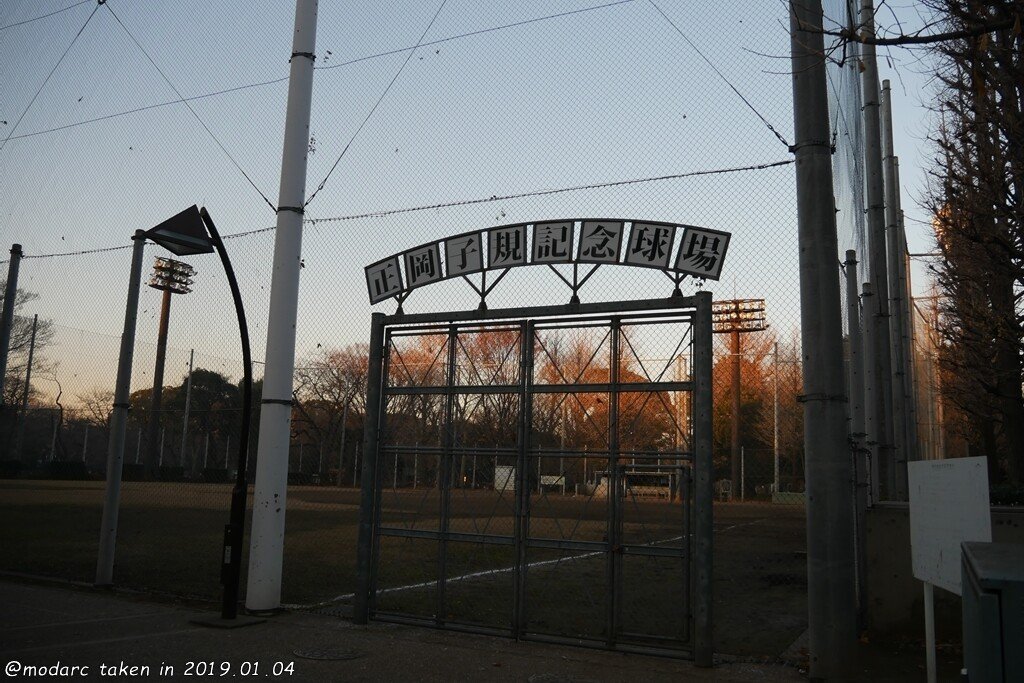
589 241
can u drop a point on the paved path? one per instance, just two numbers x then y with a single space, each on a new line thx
45 625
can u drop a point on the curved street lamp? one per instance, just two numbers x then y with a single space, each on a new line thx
188 233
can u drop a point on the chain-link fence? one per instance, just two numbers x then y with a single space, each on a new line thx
461 116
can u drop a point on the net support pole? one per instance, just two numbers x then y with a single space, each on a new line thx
119 419
703 646
831 588
7 317
266 550
876 257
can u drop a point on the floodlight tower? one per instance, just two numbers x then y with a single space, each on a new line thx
737 316
172 277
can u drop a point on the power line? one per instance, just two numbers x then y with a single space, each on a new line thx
541 193
148 107
468 202
377 103
44 16
474 33
357 60
189 106
721 75
47 79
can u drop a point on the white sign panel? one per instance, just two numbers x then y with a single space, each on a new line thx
948 505
702 252
600 241
552 242
384 279
422 265
650 244
506 246
464 254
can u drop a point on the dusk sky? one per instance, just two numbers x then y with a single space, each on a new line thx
499 99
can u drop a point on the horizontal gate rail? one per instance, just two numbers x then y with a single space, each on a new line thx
612 307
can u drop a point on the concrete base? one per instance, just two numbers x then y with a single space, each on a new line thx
240 621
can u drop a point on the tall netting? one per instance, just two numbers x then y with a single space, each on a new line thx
429 119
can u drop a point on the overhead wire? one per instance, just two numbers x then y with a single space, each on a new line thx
478 32
468 202
274 81
721 75
189 106
44 16
193 98
376 104
48 76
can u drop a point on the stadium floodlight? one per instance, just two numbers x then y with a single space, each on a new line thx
187 233
172 276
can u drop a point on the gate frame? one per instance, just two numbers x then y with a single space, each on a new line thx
702 562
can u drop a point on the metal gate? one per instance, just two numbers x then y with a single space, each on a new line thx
542 473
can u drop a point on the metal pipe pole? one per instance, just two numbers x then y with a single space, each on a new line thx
7 316
870 397
188 403
341 451
775 416
118 421
20 438
894 256
877 262
85 443
703 496
907 294
371 423
832 613
734 456
266 551
154 450
859 452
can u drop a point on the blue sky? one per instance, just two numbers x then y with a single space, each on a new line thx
610 91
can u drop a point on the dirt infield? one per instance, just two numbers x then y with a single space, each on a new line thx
170 535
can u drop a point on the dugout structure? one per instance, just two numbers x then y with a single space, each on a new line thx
458 402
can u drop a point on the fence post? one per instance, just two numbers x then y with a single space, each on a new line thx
703 646
7 317
118 421
371 429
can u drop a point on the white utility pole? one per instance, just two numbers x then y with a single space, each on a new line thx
266 550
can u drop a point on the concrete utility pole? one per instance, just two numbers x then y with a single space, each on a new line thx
7 317
877 262
266 550
831 588
735 317
895 250
118 420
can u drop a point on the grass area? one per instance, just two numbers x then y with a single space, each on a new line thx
170 538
